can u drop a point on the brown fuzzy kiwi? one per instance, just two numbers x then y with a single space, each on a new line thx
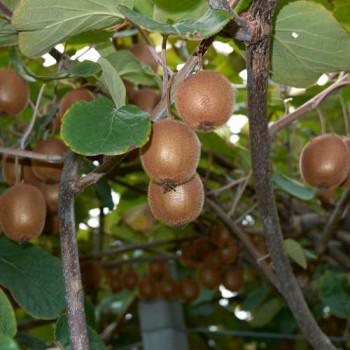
213 260
188 290
147 289
157 269
69 99
51 224
25 170
205 100
130 279
91 274
143 54
220 236
172 153
129 89
203 246
50 193
179 206
49 172
113 274
346 183
168 287
2 144
325 161
229 253
14 92
146 98
188 257
208 277
233 279
23 212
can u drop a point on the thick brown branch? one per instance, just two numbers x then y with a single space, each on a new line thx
74 294
258 65
140 260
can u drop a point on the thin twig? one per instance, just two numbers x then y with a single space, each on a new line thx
239 194
32 155
345 113
322 120
164 66
227 187
140 260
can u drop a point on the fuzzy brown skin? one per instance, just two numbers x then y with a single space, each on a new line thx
177 207
233 279
146 98
23 212
325 161
142 53
346 183
172 154
44 171
208 277
213 260
188 290
147 289
50 193
157 269
205 100
220 236
14 92
25 171
69 99
129 279
168 288
229 253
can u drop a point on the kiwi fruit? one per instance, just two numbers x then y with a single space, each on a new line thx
50 193
203 246
172 153
157 269
188 290
91 274
51 224
25 170
44 171
346 183
113 274
2 144
129 89
143 54
213 260
233 279
188 256
168 288
146 98
179 206
71 97
14 92
208 277
220 236
229 253
129 279
47 108
147 289
325 162
205 100
22 212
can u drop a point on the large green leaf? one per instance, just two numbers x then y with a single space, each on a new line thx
8 325
266 313
7 343
99 128
333 294
112 81
45 23
8 34
62 335
307 42
33 277
209 24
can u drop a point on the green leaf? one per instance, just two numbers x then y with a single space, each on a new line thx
8 34
333 294
293 187
176 5
129 68
84 69
209 24
254 299
11 4
98 128
8 325
104 192
308 41
296 252
112 81
7 343
45 23
62 335
266 313
33 277
29 342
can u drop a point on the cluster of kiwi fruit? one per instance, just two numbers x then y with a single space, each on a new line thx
157 283
213 256
176 195
325 162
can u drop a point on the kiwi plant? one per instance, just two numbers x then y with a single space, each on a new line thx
325 161
14 93
143 54
146 98
205 100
